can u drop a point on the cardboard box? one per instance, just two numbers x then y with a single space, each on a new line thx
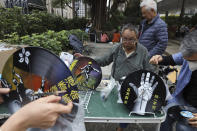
4 55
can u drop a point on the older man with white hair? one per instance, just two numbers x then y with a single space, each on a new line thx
153 34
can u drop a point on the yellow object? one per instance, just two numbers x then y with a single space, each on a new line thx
172 75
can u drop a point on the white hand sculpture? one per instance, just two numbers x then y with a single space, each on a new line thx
144 93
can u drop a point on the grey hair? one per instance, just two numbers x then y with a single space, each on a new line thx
130 27
189 44
149 4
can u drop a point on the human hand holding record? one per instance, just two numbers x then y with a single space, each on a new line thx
143 91
45 112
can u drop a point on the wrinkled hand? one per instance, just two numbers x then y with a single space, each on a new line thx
193 121
156 59
3 91
77 55
41 113
147 87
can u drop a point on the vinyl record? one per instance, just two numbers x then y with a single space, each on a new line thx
181 113
143 92
32 71
86 72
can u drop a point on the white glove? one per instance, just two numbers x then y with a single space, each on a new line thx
144 93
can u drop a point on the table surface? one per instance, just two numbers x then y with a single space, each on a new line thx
110 111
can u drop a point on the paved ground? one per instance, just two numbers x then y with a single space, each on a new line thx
99 49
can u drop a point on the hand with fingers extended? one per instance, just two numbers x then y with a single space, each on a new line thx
156 59
144 92
193 121
41 113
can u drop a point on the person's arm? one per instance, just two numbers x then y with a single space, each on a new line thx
167 60
41 113
162 41
108 58
175 59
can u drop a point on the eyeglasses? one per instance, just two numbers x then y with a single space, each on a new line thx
129 40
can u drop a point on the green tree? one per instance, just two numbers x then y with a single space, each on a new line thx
61 4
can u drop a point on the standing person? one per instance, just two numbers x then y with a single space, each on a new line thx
153 34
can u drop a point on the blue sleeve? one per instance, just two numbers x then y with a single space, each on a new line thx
178 58
162 40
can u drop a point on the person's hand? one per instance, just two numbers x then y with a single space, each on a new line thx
193 121
41 113
156 59
3 91
78 55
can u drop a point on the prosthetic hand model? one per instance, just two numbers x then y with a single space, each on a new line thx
144 93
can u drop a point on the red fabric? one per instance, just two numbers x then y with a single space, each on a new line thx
116 37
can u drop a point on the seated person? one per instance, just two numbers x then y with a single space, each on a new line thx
104 37
127 57
116 36
186 88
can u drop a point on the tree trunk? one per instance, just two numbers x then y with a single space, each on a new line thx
73 3
99 13
61 4
181 15
182 10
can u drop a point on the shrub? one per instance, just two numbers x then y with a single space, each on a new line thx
12 20
51 40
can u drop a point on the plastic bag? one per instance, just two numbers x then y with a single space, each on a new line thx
66 57
107 90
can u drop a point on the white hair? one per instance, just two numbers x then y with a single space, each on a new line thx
149 4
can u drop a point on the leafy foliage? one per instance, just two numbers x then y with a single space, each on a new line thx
12 20
51 40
